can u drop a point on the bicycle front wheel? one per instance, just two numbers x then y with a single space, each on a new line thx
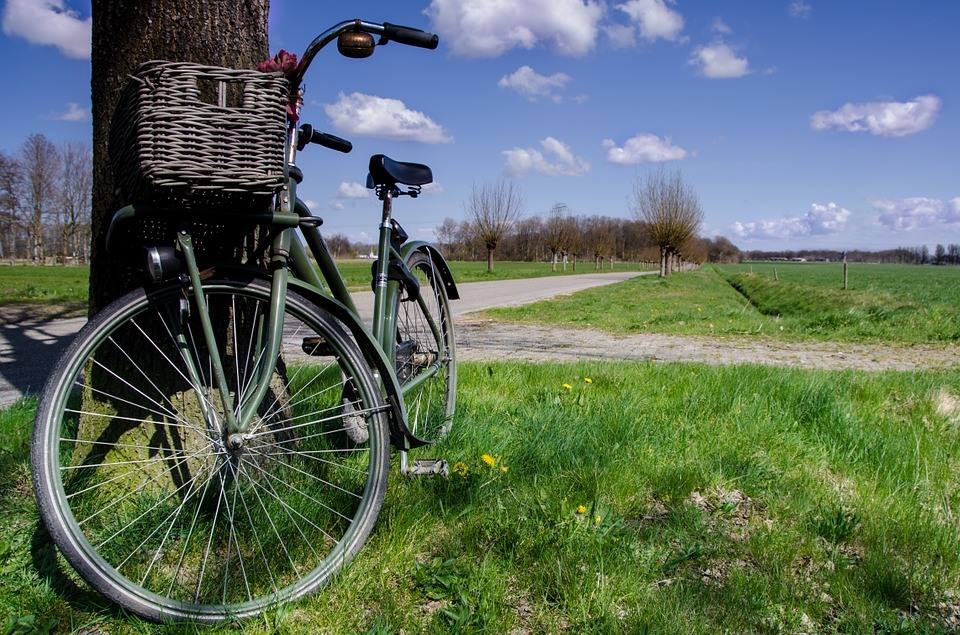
426 353
162 511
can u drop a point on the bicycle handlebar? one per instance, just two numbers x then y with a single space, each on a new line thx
388 32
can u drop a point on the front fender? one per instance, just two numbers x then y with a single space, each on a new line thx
438 262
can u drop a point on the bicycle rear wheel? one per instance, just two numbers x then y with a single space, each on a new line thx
146 498
426 353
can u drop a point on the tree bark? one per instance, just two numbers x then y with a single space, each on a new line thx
126 34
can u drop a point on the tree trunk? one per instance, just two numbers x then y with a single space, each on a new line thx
489 260
126 34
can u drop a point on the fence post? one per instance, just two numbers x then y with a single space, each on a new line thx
844 271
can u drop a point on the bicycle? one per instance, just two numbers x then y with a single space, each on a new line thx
217 442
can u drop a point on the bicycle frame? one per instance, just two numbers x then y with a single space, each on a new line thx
290 263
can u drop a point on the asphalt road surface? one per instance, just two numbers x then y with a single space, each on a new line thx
30 345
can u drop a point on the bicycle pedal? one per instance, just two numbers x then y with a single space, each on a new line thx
316 346
428 467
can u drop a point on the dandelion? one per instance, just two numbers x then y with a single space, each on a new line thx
504 469
597 520
587 380
567 387
489 460
581 509
460 468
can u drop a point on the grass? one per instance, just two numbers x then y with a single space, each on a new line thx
899 304
67 286
624 497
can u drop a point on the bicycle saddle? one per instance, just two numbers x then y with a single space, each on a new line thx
386 171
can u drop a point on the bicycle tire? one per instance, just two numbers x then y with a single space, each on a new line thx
142 494
432 403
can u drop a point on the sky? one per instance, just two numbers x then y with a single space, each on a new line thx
800 124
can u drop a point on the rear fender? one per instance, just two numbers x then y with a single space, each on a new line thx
438 262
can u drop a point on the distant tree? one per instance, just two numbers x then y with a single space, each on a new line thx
339 246
557 232
671 210
11 177
41 170
76 198
446 234
721 250
494 208
939 254
126 34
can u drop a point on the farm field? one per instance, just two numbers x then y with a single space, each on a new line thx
893 304
804 500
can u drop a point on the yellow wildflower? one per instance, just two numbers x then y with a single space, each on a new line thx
460 468
567 387
597 519
581 509
587 380
489 460
504 469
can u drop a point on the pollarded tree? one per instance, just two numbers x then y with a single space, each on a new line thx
671 211
558 232
494 208
126 34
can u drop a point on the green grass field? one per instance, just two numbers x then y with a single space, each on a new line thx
67 286
60 286
621 497
891 303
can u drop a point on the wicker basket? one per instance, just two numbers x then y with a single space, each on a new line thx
199 136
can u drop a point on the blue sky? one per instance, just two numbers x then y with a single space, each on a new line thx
800 123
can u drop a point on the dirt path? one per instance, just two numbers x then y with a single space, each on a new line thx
485 340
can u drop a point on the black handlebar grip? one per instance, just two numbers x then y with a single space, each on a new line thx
333 142
309 135
411 36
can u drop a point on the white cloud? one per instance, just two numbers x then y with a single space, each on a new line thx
906 214
488 28
719 61
369 115
555 160
643 148
532 85
74 112
654 18
799 9
820 220
882 118
721 27
49 22
620 35
352 190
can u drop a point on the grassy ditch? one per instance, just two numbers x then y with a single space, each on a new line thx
623 497
900 305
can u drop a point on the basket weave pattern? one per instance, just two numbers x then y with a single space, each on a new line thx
198 135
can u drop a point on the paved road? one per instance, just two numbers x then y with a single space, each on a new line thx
30 345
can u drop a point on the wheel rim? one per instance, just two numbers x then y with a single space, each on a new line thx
163 512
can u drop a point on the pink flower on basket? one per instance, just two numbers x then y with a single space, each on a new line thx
283 62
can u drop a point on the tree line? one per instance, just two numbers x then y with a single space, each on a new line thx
920 255
45 201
